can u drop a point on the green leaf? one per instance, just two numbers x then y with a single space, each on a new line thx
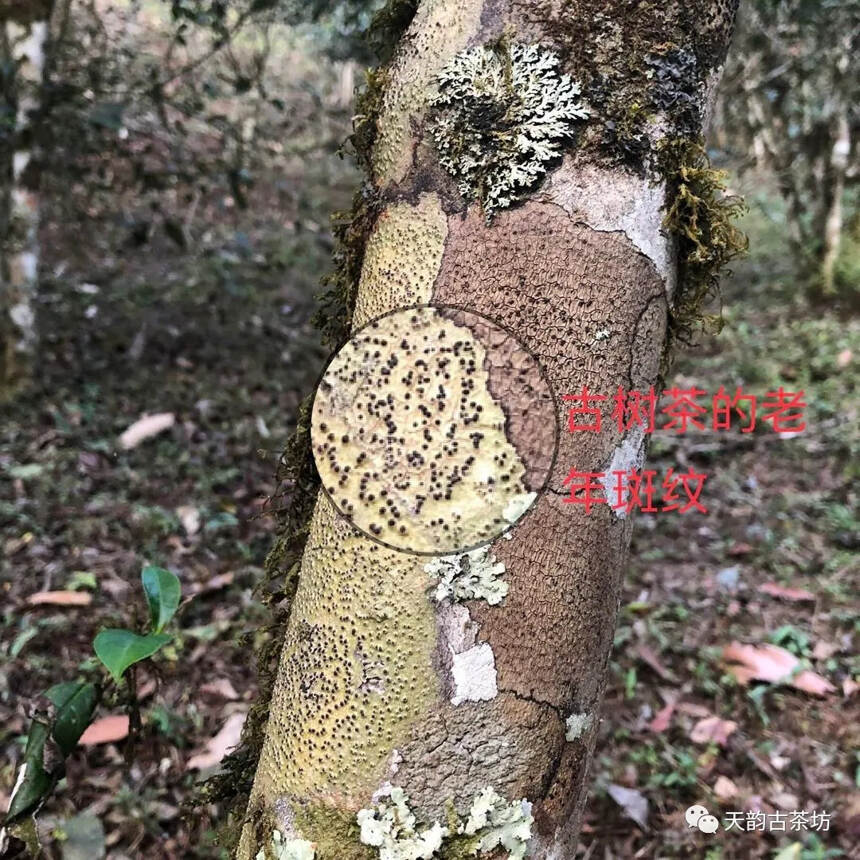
220 521
75 702
82 579
162 591
790 852
107 115
26 470
21 640
118 649
33 782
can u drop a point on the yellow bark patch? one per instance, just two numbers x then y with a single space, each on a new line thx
402 259
355 672
409 441
439 31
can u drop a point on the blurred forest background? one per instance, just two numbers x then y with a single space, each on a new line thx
188 157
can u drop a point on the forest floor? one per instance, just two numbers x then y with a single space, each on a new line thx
213 327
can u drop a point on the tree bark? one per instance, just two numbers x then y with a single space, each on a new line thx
23 38
471 699
832 237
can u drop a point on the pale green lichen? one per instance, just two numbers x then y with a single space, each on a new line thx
502 114
576 724
470 575
283 848
499 823
492 823
391 828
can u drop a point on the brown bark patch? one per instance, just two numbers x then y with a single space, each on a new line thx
587 304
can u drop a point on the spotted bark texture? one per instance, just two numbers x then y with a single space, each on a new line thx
581 274
516 383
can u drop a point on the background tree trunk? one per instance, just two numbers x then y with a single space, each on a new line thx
836 191
22 54
584 274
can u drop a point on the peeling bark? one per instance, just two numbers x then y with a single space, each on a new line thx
472 695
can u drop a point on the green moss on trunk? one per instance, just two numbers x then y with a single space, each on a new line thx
702 217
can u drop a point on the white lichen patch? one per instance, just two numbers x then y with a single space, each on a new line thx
493 822
391 827
501 116
500 823
286 848
628 457
474 675
517 506
471 575
575 725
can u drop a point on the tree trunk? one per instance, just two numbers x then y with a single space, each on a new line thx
835 191
477 716
23 38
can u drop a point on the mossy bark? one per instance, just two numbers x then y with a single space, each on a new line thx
586 273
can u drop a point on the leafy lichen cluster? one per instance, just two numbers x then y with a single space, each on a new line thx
391 827
473 575
493 824
502 114
283 848
576 725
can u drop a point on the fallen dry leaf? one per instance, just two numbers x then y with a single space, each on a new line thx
60 598
633 802
785 800
824 650
712 730
14 545
691 709
725 789
849 687
143 428
189 516
662 719
106 730
222 688
213 583
773 664
146 689
647 655
218 747
776 590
